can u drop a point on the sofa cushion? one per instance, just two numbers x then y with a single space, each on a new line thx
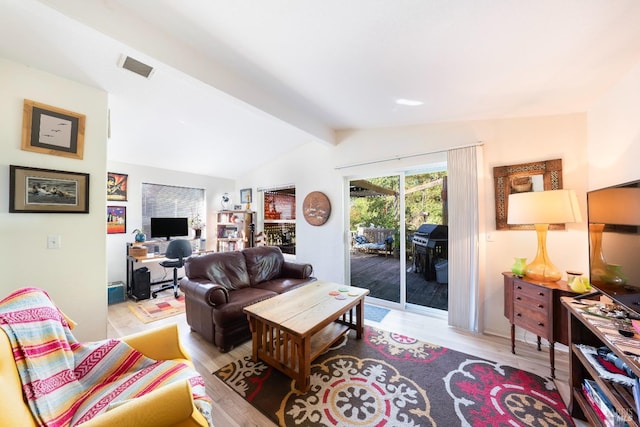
229 313
282 285
263 263
224 268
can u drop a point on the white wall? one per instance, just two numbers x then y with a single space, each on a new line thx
74 275
506 142
117 243
614 134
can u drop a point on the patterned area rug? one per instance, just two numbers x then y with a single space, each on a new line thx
388 379
153 309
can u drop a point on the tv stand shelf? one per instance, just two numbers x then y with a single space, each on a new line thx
594 331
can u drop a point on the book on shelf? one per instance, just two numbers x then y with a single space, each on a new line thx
602 405
594 405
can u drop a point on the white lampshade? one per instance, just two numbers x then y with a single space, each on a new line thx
543 207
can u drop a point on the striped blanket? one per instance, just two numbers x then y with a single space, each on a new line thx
66 382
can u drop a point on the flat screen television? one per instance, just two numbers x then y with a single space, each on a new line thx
614 243
169 227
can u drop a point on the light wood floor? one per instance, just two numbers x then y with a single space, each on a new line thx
230 410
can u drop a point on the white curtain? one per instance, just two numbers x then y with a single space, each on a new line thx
464 223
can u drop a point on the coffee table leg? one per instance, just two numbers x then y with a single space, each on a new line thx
254 325
359 318
304 354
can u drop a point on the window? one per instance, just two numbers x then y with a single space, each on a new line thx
170 201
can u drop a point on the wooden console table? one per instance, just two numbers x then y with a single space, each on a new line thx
536 307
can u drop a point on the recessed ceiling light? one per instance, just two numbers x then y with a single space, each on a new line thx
408 102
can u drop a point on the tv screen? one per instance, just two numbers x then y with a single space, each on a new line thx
169 227
614 242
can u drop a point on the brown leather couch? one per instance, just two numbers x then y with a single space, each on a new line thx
218 286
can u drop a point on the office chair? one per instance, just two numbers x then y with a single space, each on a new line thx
177 251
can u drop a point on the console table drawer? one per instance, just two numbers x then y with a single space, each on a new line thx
528 291
532 319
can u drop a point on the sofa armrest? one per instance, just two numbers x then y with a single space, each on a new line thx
167 406
162 343
296 270
211 293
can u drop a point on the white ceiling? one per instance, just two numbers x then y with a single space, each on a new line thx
237 83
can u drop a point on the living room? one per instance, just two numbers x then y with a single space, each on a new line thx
598 146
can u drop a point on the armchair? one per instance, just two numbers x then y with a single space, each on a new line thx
123 386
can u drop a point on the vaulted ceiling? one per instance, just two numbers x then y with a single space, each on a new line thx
237 83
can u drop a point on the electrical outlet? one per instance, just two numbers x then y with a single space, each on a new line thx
53 242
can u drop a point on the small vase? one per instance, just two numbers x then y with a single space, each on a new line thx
518 267
140 237
198 233
577 283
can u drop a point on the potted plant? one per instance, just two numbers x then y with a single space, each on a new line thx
197 224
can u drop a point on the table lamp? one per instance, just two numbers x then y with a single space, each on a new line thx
542 208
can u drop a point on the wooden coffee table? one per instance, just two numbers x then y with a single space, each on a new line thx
290 330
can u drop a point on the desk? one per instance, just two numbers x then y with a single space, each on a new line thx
135 262
536 307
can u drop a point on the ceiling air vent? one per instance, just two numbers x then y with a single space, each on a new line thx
133 65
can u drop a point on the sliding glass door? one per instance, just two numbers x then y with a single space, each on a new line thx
398 238
427 239
375 236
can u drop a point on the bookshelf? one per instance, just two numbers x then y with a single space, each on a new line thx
232 230
588 332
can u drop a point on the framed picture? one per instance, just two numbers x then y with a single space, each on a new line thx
536 176
52 130
116 219
245 196
34 190
117 186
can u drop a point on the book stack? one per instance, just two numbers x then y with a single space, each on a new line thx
601 405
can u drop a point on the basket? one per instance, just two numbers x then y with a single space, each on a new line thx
138 251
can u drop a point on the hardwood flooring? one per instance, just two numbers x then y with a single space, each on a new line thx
230 410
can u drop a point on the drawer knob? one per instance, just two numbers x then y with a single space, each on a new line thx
540 305
541 294
518 298
519 314
518 287
540 324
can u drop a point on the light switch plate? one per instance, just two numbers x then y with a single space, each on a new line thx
53 242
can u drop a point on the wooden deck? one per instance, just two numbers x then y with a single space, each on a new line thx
381 275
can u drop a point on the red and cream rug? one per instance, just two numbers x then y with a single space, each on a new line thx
388 379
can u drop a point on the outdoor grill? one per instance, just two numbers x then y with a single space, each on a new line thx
429 245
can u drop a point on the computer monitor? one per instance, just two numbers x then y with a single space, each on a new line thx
169 227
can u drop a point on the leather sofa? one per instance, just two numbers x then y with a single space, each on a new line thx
217 287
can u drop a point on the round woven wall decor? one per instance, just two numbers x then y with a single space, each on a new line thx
316 208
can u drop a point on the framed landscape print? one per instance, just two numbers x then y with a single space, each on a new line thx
116 219
33 190
117 186
52 130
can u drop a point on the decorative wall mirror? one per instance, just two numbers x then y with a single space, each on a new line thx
536 176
